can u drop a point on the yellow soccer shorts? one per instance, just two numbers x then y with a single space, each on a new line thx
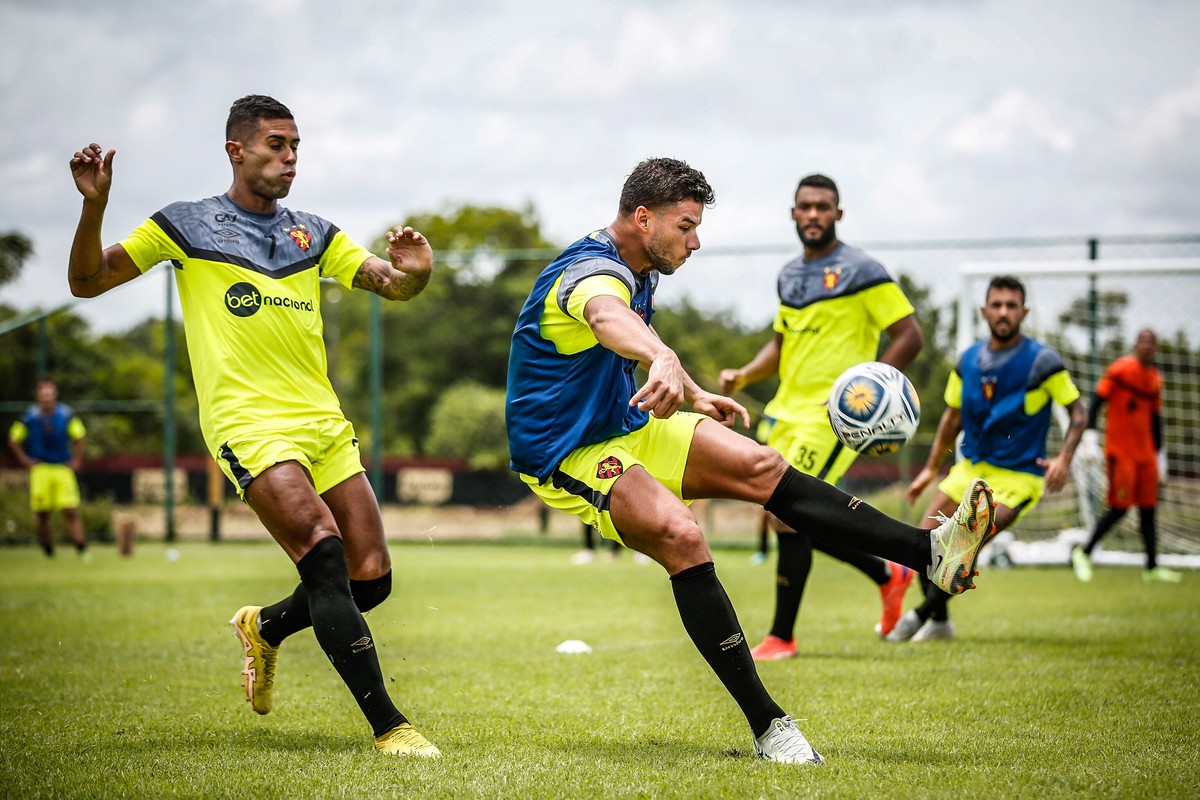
327 449
52 487
812 448
1019 491
582 482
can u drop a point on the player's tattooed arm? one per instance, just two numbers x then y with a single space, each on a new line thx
406 274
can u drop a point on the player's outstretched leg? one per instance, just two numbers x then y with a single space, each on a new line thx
258 670
784 742
955 544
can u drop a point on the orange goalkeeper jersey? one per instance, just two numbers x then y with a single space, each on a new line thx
1134 395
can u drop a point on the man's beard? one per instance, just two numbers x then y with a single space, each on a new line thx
1013 332
658 261
824 240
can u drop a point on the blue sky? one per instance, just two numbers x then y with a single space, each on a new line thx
938 119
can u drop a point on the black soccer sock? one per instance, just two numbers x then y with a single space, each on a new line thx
829 516
873 567
343 633
1103 525
290 615
934 606
1146 526
710 621
791 575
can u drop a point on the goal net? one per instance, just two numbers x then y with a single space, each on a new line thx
1090 312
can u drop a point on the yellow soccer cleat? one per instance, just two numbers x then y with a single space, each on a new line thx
955 544
405 740
258 672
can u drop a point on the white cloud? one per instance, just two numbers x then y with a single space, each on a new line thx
1165 119
1014 119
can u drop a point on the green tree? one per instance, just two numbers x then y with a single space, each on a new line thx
15 250
458 329
468 423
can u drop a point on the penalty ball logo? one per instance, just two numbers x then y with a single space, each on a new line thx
861 398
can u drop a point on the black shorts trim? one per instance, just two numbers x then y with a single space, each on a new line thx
829 462
240 473
594 497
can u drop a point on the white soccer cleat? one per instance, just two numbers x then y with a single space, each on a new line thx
783 742
1081 564
933 630
906 627
955 544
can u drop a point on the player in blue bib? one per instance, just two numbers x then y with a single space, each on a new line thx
624 458
48 441
999 395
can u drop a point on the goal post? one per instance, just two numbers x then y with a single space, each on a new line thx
1090 312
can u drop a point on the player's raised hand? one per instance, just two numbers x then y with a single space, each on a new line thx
922 480
91 168
724 410
731 380
409 251
663 392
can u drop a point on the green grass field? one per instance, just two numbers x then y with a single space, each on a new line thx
119 678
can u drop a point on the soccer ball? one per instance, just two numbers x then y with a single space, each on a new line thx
873 408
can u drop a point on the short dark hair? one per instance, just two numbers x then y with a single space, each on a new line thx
45 378
245 113
1005 282
658 182
819 181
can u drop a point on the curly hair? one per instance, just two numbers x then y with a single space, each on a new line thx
658 182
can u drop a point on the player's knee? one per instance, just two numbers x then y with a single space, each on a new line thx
764 469
683 537
370 593
324 565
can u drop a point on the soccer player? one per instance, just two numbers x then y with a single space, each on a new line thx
834 303
1133 452
248 272
625 459
48 441
999 395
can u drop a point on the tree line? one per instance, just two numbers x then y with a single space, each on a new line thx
445 353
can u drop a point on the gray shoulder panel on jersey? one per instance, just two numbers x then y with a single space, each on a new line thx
214 229
1046 363
802 283
584 268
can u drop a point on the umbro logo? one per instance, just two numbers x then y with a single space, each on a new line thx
362 644
732 641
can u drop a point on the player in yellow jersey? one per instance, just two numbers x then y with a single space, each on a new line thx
249 281
834 303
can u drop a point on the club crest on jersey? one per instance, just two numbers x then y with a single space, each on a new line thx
833 275
988 385
609 467
300 236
